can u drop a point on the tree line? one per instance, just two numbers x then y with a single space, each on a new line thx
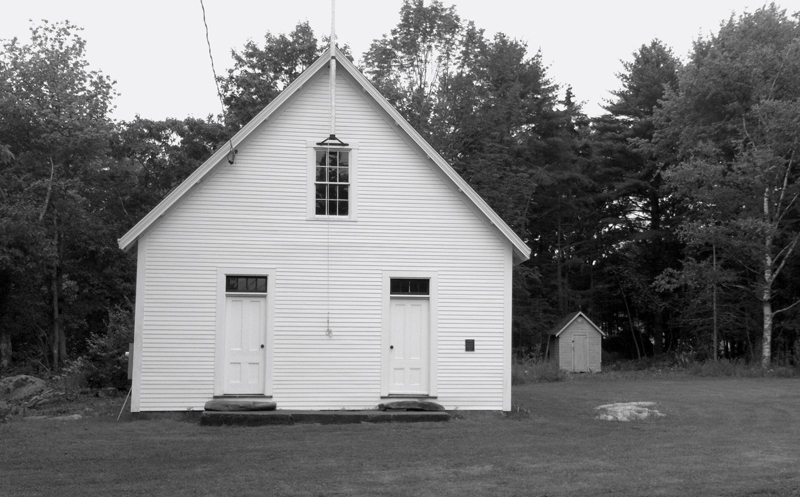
671 220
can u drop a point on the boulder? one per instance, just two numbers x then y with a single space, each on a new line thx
410 405
45 398
67 417
20 387
240 405
107 392
627 411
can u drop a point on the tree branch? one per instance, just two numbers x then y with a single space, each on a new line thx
49 190
789 250
783 190
123 207
786 308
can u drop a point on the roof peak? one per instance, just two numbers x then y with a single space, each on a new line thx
521 251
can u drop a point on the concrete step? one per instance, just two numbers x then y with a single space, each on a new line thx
262 418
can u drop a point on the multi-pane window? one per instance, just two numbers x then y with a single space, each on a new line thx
332 183
410 286
250 284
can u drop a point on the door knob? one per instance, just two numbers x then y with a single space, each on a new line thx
262 345
391 346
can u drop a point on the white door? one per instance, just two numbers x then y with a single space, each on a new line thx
408 354
580 353
245 339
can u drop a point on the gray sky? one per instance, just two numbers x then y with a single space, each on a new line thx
157 53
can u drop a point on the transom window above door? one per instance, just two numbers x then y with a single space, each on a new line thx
246 284
410 286
332 182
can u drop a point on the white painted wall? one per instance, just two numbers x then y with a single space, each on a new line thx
254 213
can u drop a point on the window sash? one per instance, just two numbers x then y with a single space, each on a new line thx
332 182
410 286
245 284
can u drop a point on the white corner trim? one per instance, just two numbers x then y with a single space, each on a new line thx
138 324
508 316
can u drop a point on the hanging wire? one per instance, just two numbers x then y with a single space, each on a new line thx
232 153
327 143
328 330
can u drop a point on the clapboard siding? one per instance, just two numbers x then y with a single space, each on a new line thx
254 213
594 346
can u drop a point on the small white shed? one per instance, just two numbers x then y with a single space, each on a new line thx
324 270
576 343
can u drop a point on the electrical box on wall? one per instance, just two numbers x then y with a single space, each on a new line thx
469 345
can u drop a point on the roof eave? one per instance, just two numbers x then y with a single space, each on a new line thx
127 241
520 250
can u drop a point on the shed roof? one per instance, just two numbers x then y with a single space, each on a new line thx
567 320
521 250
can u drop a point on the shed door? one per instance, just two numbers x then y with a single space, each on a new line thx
245 338
580 353
408 354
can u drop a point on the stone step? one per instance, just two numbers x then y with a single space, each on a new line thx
240 404
262 418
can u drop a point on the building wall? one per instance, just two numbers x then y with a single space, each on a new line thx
254 213
594 345
554 343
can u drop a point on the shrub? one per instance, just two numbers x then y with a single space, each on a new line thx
106 353
705 368
72 376
536 370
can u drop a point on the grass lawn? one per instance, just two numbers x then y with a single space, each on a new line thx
720 436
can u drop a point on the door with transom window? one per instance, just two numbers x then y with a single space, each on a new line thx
245 335
409 336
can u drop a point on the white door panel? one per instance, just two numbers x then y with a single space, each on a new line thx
408 355
245 336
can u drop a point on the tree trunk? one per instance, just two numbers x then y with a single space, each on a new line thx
766 294
657 262
59 346
714 301
561 306
56 337
5 350
766 344
630 322
658 333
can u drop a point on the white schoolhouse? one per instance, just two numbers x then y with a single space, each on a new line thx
324 272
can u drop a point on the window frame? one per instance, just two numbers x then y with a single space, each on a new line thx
410 294
247 292
352 208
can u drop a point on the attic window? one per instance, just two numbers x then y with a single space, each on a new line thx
332 183
410 286
247 284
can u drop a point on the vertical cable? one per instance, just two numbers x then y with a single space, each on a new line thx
232 153
210 56
328 330
333 68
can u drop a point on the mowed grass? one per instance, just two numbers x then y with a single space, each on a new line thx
721 436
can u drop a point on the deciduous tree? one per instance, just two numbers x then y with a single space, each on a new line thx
735 123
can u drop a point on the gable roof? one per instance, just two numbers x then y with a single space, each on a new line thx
567 320
521 250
